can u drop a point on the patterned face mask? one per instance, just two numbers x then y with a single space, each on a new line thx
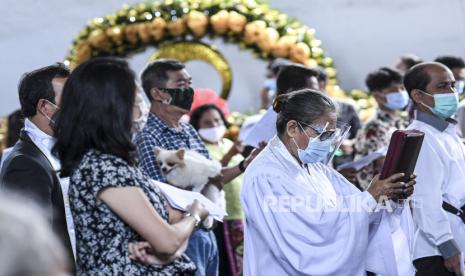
180 97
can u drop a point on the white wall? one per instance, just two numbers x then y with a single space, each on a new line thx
361 35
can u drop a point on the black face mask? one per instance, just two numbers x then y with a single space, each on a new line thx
180 97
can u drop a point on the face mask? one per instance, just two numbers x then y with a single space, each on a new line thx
459 86
212 134
52 122
397 100
270 84
180 97
316 151
139 123
445 105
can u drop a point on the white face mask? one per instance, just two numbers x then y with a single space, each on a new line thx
52 122
212 134
139 123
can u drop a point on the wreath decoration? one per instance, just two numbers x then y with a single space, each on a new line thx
252 24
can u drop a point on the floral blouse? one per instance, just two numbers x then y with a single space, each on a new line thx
102 237
375 134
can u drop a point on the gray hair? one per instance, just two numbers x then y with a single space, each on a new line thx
306 106
27 244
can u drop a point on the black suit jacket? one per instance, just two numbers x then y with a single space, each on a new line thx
28 172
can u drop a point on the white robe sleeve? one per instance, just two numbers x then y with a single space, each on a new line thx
307 241
390 239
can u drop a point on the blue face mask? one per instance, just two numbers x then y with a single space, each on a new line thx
270 84
445 104
459 86
397 100
317 150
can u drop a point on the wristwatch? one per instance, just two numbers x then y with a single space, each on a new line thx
196 218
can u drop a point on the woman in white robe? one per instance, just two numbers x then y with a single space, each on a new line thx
304 218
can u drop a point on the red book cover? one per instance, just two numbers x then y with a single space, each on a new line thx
402 154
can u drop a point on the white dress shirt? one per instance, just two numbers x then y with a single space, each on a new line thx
45 143
440 171
287 231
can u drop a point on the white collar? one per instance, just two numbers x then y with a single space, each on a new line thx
43 141
285 157
38 136
321 186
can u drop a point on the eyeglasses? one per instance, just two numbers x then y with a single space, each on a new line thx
322 133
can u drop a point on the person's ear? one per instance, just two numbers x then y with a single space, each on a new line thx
292 128
379 97
42 108
158 95
155 94
416 96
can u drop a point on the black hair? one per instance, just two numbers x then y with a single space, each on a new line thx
322 75
451 62
96 112
417 78
37 85
15 124
155 74
410 60
276 64
294 77
382 78
199 111
305 106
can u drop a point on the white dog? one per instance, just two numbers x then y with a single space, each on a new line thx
189 170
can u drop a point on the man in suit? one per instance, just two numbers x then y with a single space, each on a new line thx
31 170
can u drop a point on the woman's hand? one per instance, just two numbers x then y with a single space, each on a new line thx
143 252
199 209
391 188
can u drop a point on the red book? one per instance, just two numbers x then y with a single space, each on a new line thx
402 154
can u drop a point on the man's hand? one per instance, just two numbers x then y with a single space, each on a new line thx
453 265
254 154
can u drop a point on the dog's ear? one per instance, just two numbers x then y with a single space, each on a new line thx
180 153
157 150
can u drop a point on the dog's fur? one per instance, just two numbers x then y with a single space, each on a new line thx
189 170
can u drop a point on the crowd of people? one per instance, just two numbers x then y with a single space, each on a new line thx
82 148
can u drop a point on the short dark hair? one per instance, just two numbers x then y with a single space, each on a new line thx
84 123
451 62
322 75
199 111
15 124
410 60
294 77
276 64
417 77
305 106
382 78
155 74
37 85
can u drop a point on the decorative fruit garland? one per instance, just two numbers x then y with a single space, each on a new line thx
252 24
